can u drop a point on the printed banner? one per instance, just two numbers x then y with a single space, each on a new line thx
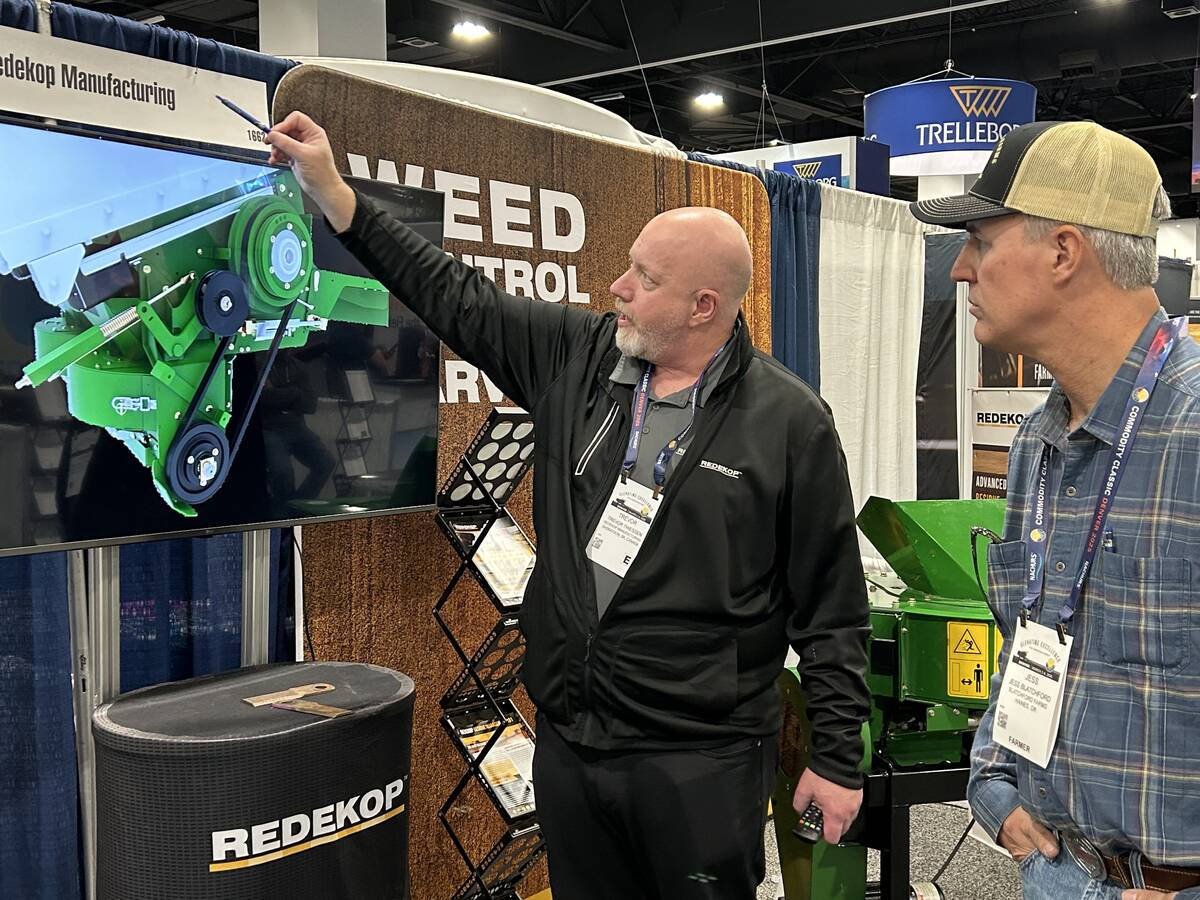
75 82
997 416
955 115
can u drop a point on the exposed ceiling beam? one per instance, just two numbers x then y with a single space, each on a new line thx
1187 123
547 12
173 16
1136 104
917 35
773 42
1166 151
1127 74
529 25
575 15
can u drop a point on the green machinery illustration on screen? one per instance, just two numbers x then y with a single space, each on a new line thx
164 267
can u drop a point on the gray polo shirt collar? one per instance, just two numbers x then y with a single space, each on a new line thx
629 369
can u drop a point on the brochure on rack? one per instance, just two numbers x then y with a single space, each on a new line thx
505 558
508 767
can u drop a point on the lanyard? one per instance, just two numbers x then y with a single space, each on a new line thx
1156 357
640 401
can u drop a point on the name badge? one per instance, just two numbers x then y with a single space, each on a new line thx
623 527
1029 706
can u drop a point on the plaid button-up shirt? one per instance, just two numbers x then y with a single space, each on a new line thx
1126 769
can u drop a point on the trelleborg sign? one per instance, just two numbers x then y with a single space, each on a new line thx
826 169
946 127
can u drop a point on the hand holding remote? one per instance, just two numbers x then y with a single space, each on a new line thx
836 805
811 824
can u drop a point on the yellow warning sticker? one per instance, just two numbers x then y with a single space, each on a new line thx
968 665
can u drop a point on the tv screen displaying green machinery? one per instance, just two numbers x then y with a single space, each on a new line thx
186 348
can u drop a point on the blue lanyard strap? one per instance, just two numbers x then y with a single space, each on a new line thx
1037 536
640 401
641 398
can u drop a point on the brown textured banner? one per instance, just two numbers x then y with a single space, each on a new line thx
547 214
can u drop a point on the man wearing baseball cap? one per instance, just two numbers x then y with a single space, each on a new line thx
1086 766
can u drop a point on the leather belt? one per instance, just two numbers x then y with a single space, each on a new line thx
1120 869
1158 878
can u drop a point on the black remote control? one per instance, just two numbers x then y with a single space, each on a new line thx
811 823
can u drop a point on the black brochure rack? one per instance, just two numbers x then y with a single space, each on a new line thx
478 714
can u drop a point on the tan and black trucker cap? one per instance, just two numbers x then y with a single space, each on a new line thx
1076 172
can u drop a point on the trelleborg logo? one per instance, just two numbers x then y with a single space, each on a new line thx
807 169
977 100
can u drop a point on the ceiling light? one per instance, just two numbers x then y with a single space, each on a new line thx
709 100
470 31
608 98
774 142
148 18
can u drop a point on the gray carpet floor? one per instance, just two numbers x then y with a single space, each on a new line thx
975 873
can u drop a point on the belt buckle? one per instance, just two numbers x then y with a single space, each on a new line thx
1085 855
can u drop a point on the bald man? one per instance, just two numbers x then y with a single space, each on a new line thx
693 517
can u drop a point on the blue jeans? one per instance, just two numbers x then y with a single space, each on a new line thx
1061 879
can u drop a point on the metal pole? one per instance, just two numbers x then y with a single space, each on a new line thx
81 698
256 586
104 618
298 578
95 573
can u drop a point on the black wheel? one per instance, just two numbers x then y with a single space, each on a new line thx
198 462
221 302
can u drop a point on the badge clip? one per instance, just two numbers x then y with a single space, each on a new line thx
1062 633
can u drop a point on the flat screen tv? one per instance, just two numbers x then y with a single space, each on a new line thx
186 349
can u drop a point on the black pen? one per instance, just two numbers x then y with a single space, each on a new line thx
233 107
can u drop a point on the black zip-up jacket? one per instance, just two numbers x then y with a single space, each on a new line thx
754 545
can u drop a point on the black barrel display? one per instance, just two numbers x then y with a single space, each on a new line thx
283 781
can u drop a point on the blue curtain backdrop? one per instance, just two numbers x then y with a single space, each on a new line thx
180 600
39 843
795 255
181 607
106 30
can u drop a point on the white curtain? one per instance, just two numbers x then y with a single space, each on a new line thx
871 293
